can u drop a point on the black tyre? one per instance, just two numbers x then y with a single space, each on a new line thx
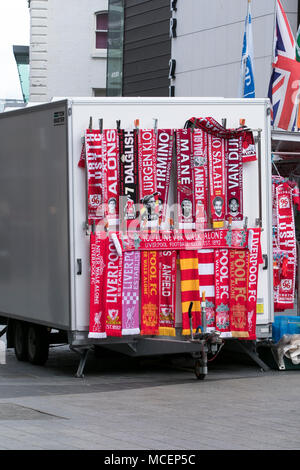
198 369
37 344
20 340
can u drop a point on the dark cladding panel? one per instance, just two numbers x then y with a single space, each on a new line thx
147 48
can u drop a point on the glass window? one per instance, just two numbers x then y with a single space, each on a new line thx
101 30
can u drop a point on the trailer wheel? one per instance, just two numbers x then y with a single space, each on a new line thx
20 340
37 344
198 370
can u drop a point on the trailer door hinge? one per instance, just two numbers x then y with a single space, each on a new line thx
70 111
79 266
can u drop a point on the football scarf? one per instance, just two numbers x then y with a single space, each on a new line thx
211 126
95 162
111 175
97 282
167 292
286 242
222 297
234 170
113 294
128 142
217 179
131 292
238 266
253 264
150 293
185 197
206 273
164 164
200 177
147 178
189 290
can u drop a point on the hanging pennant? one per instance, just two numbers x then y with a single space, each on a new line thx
185 209
128 141
95 161
167 292
97 281
131 293
164 164
222 297
206 273
217 179
234 169
252 280
111 175
150 293
190 290
200 177
113 291
238 293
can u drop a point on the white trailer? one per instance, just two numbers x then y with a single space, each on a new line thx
44 242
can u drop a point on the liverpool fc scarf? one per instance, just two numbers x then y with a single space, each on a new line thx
253 263
111 175
95 165
287 243
234 168
113 294
216 149
167 292
185 198
200 178
130 294
238 266
222 298
190 290
150 293
147 178
128 141
164 163
207 284
97 280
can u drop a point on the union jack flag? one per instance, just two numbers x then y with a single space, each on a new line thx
284 83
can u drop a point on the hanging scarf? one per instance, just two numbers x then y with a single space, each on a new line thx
222 297
97 282
185 197
217 180
111 175
234 168
147 178
164 163
113 294
150 293
253 263
211 126
238 293
206 273
167 292
190 290
95 166
128 141
131 293
286 242
200 178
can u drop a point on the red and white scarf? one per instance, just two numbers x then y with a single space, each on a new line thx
128 141
217 179
163 169
95 170
167 292
207 285
131 293
238 268
222 296
254 255
113 293
98 246
150 293
111 175
185 199
200 177
147 178
234 169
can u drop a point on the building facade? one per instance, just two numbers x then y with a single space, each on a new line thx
68 48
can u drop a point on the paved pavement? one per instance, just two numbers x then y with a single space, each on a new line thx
125 404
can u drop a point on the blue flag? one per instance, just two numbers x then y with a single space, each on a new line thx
247 86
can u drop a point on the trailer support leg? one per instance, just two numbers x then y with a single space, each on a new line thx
250 350
83 353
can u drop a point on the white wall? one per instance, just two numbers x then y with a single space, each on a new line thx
63 60
209 40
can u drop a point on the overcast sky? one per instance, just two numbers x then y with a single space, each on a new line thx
14 30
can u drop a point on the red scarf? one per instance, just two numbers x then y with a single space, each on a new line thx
167 292
164 163
128 140
200 177
189 290
216 149
206 273
238 267
113 294
97 279
252 280
111 175
222 297
234 168
95 165
147 178
150 293
185 199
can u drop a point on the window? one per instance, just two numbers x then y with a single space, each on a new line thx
101 30
99 92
